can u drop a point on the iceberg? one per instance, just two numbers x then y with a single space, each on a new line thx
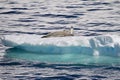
108 45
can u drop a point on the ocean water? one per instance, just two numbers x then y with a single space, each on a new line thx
92 54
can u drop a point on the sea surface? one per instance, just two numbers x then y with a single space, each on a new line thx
90 18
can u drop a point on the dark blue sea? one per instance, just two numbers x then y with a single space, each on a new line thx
92 54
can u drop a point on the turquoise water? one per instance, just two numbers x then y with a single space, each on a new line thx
65 58
72 58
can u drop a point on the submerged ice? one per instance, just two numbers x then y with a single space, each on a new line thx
108 45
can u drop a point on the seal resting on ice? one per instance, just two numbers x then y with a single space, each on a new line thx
60 33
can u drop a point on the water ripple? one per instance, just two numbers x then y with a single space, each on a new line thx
12 12
98 77
2 8
25 20
62 22
10 63
105 30
96 3
56 15
58 78
100 23
113 68
99 9
19 8
75 6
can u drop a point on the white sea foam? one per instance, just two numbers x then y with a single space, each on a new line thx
103 45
